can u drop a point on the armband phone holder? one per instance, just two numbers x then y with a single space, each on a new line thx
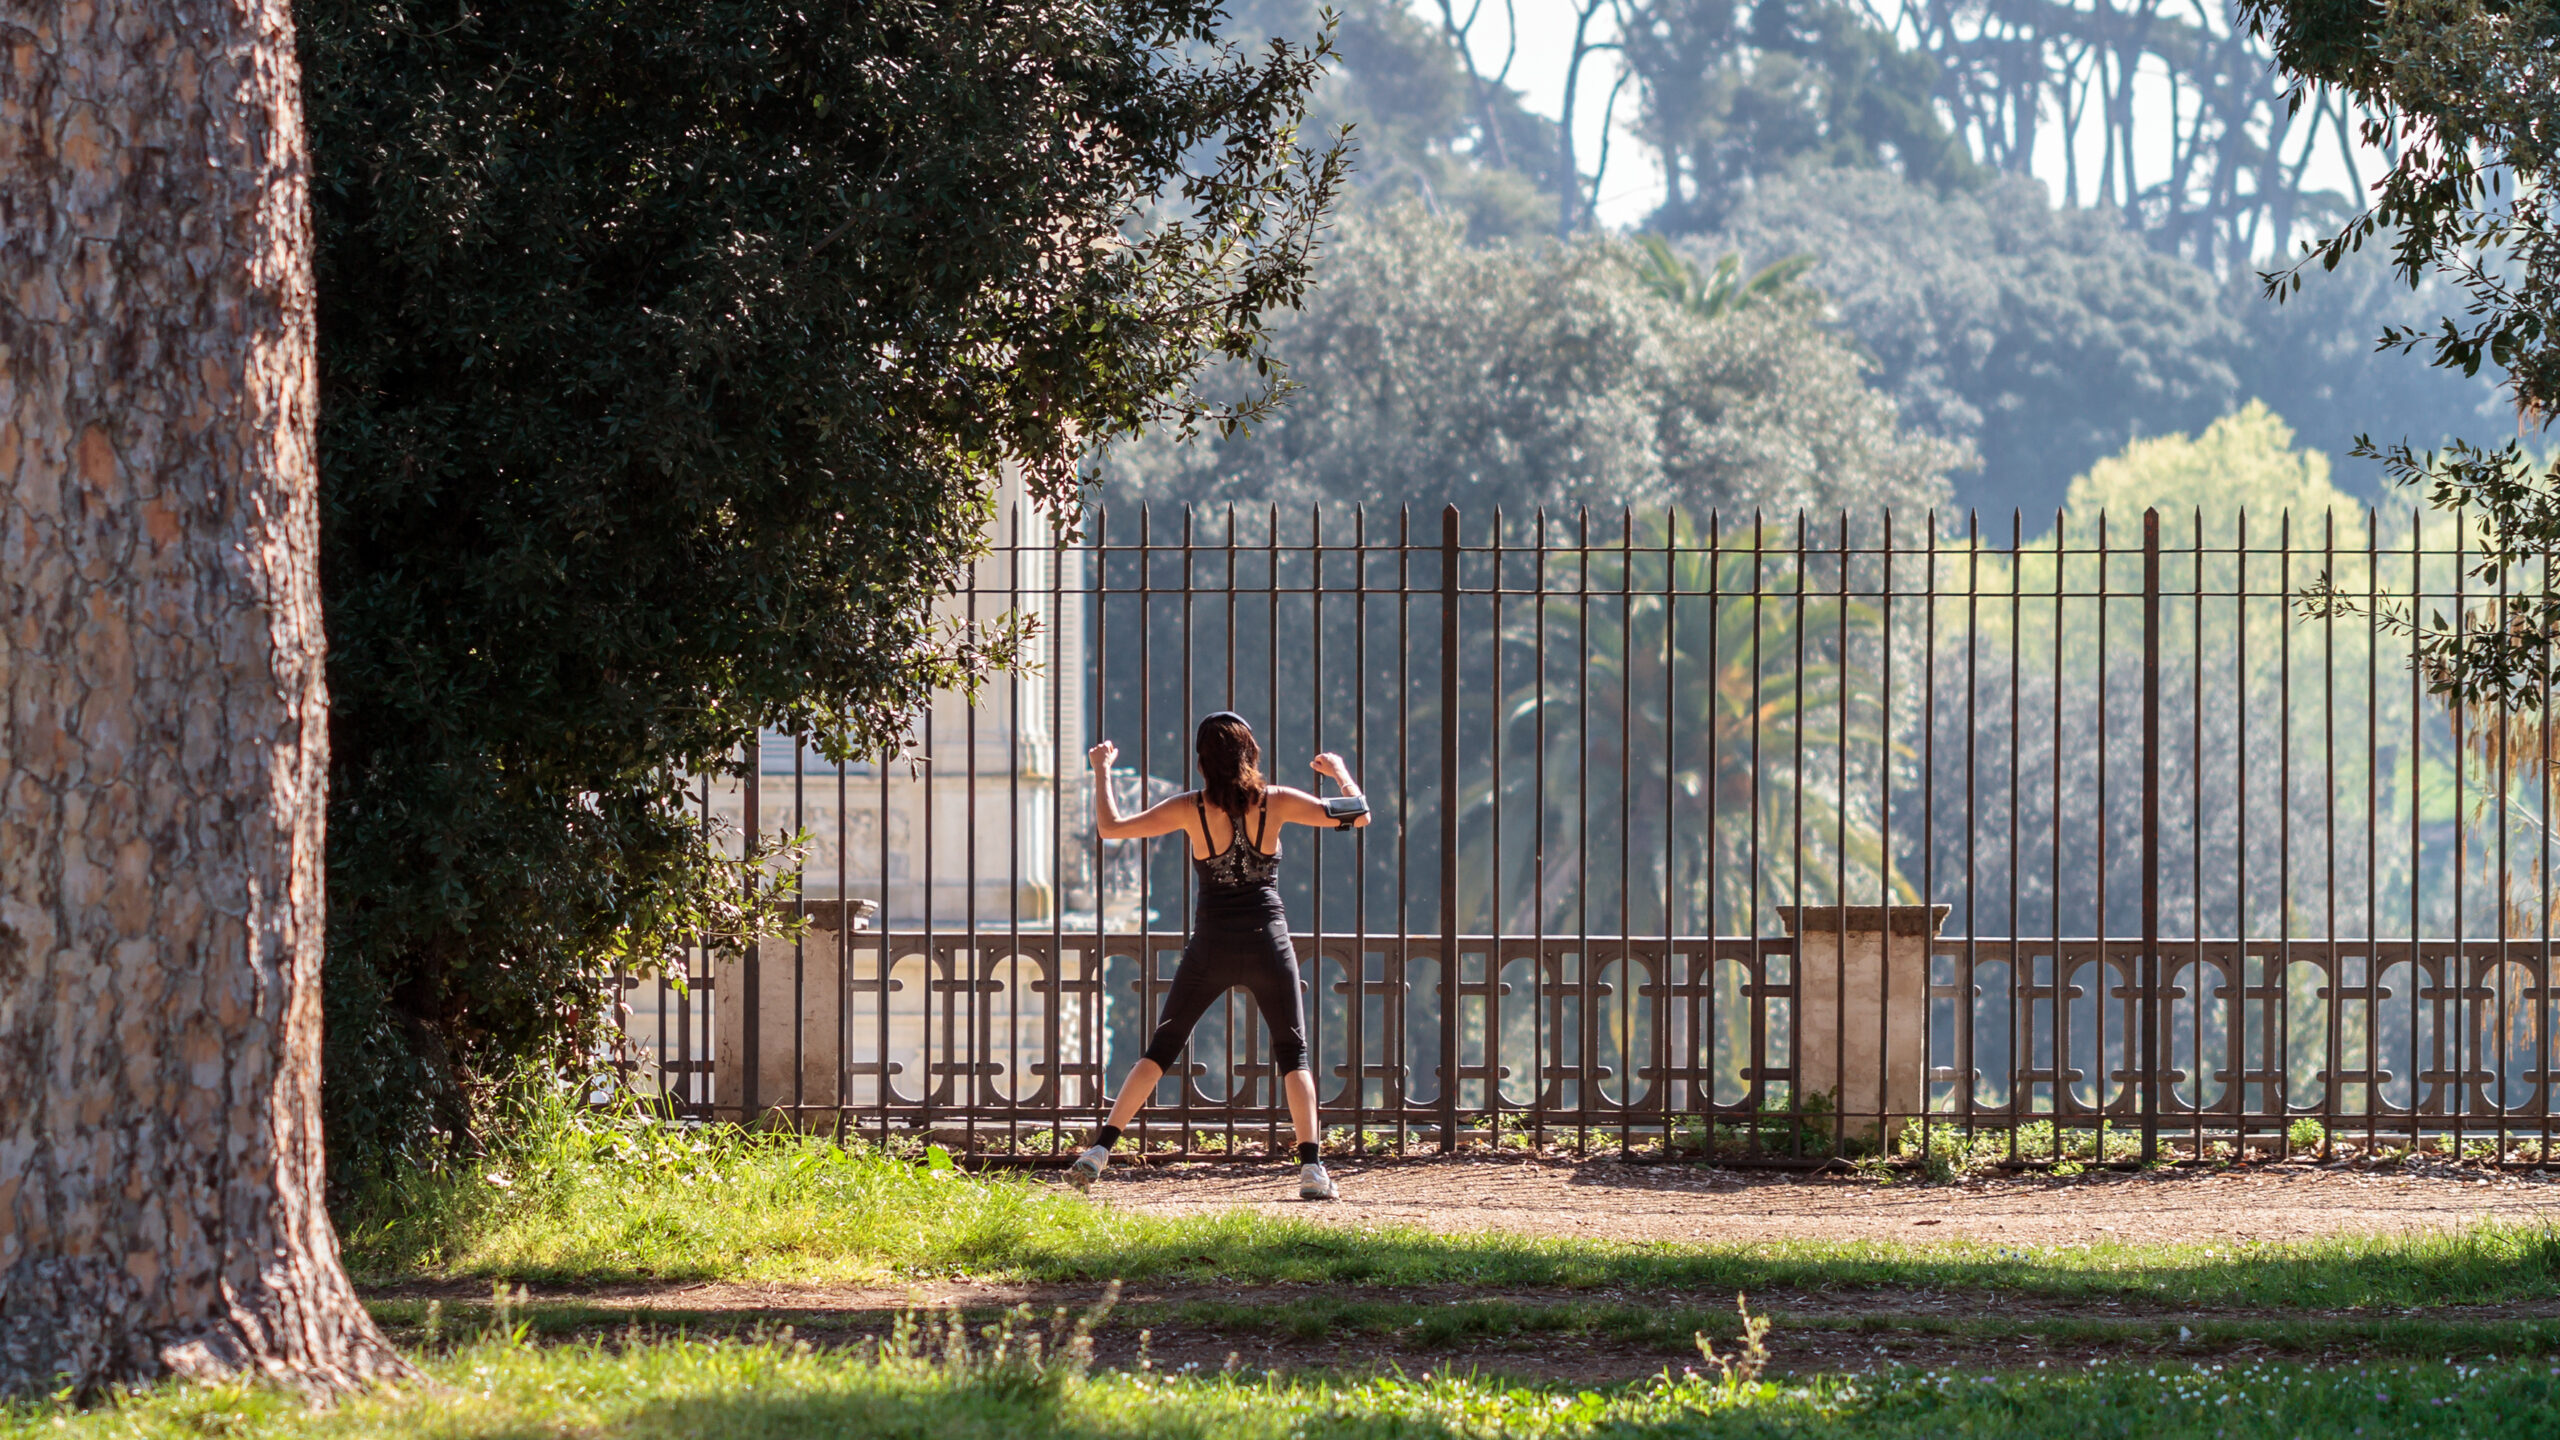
1343 809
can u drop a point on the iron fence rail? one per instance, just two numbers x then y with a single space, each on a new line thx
1663 805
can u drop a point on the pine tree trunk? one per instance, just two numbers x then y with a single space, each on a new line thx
163 724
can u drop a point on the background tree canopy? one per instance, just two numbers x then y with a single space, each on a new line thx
670 353
1736 92
1944 92
1549 374
2045 337
1423 130
2245 461
2044 324
2049 336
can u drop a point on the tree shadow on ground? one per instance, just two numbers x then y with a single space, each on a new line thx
2484 1264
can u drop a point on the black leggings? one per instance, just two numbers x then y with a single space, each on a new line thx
1254 954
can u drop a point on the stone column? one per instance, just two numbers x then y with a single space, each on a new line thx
821 991
1862 1011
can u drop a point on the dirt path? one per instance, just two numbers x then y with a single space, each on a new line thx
732 1298
1607 1199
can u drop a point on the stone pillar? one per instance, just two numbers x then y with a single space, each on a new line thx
1862 1011
821 992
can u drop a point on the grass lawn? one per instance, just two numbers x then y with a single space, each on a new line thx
775 1386
2101 1339
594 1202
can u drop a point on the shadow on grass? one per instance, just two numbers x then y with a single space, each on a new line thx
1367 1333
2489 1264
2486 1264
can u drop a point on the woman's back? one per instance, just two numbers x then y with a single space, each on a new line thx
1242 865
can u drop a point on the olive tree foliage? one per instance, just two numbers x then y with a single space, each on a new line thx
1557 374
2465 97
670 356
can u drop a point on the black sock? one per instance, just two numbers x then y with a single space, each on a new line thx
1107 1136
1307 1152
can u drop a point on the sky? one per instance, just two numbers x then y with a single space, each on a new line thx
1632 188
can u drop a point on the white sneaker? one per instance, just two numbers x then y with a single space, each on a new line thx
1314 1183
1089 1167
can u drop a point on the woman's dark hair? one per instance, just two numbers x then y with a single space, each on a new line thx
1230 764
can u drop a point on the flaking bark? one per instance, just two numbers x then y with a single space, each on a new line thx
163 736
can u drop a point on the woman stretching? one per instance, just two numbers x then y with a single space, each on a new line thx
1242 935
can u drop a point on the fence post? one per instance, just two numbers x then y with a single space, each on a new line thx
2148 1060
1449 829
751 1003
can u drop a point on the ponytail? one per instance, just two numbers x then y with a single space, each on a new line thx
1230 764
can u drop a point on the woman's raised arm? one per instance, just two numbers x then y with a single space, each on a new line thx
1162 818
1297 807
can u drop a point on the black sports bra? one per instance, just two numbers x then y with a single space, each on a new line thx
1242 865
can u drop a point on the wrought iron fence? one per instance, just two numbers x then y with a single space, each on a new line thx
1778 841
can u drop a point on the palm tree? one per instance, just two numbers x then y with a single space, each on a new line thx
1711 293
1749 750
